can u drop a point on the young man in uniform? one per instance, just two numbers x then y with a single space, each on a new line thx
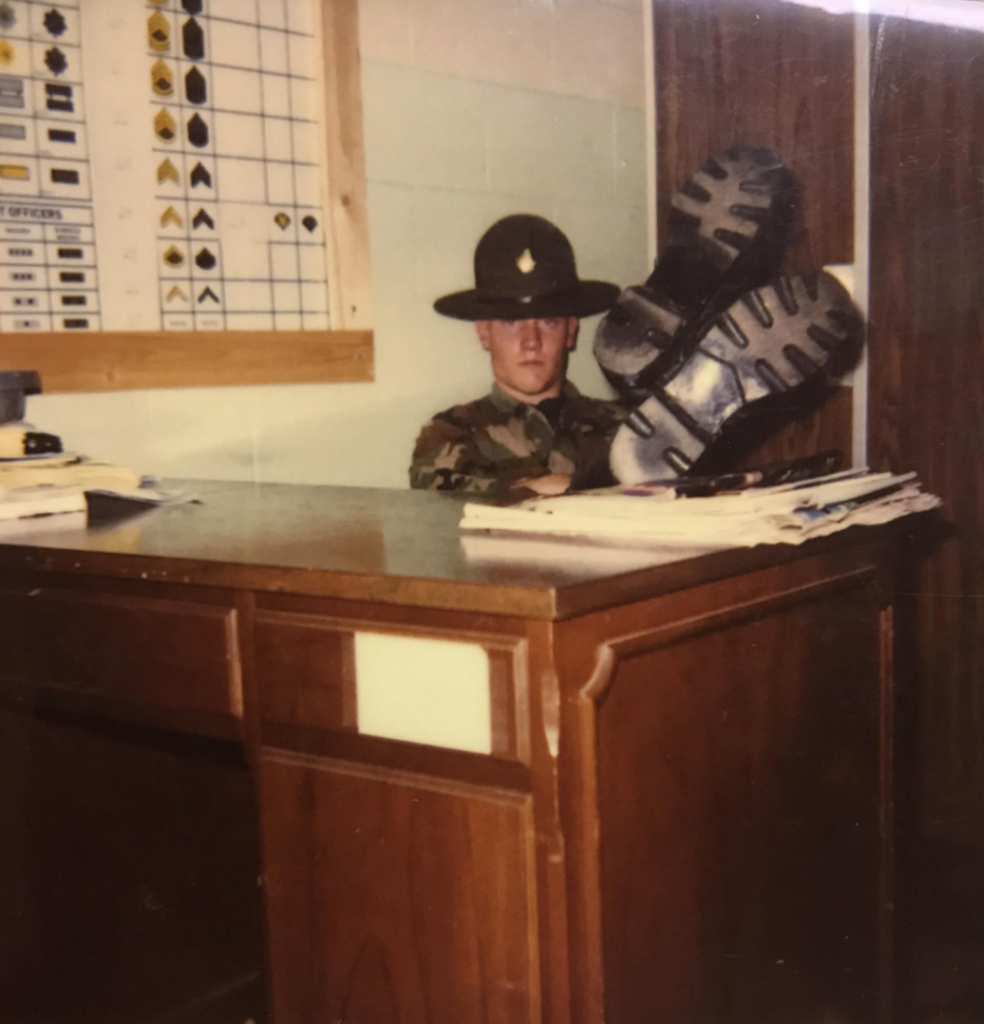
534 432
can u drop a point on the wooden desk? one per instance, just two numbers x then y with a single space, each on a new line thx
683 813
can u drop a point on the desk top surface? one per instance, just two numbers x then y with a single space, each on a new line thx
399 547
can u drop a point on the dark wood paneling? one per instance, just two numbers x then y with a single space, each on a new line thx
778 75
775 74
927 376
753 893
419 909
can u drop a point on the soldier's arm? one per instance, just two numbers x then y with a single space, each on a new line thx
446 458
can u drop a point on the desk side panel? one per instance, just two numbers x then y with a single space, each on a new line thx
740 800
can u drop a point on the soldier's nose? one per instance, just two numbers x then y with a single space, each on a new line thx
530 336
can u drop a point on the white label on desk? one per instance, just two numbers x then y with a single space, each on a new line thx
424 691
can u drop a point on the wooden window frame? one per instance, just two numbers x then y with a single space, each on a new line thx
124 360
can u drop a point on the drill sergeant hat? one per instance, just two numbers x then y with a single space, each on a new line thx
524 270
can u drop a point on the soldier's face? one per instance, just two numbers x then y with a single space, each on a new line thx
529 357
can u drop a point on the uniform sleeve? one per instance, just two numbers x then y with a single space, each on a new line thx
446 458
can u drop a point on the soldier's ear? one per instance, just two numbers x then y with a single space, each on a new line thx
573 325
483 328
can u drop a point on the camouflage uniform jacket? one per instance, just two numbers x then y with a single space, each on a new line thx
484 447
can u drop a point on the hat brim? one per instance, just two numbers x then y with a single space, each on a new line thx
588 298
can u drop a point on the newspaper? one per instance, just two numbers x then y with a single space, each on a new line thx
785 514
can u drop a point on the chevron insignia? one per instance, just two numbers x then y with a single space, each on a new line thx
164 126
162 79
159 33
171 216
166 170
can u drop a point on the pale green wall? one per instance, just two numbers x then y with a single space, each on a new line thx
473 109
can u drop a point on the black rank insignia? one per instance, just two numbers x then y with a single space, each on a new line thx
164 126
192 6
310 222
194 40
56 61
200 176
7 17
208 294
196 88
197 132
205 260
162 78
54 22
158 33
203 218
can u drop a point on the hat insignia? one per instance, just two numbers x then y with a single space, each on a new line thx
526 263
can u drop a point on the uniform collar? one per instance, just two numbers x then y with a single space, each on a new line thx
513 406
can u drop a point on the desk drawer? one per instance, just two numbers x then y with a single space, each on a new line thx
164 653
434 687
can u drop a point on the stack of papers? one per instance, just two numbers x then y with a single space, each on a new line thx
63 470
40 501
39 479
785 514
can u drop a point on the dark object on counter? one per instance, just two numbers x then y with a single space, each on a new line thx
787 471
15 386
38 443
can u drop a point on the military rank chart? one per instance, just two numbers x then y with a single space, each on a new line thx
161 166
48 270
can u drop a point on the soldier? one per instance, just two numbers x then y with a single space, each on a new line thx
535 430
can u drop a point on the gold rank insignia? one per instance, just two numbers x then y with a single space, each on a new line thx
6 52
162 79
159 33
282 220
171 216
173 257
166 170
164 126
176 293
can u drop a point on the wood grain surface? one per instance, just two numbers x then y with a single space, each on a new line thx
763 899
420 909
927 378
120 361
385 548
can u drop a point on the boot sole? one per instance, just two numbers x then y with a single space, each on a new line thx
727 232
770 341
724 208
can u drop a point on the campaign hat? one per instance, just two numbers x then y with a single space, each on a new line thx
525 269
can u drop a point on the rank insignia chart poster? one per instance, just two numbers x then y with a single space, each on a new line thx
162 166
